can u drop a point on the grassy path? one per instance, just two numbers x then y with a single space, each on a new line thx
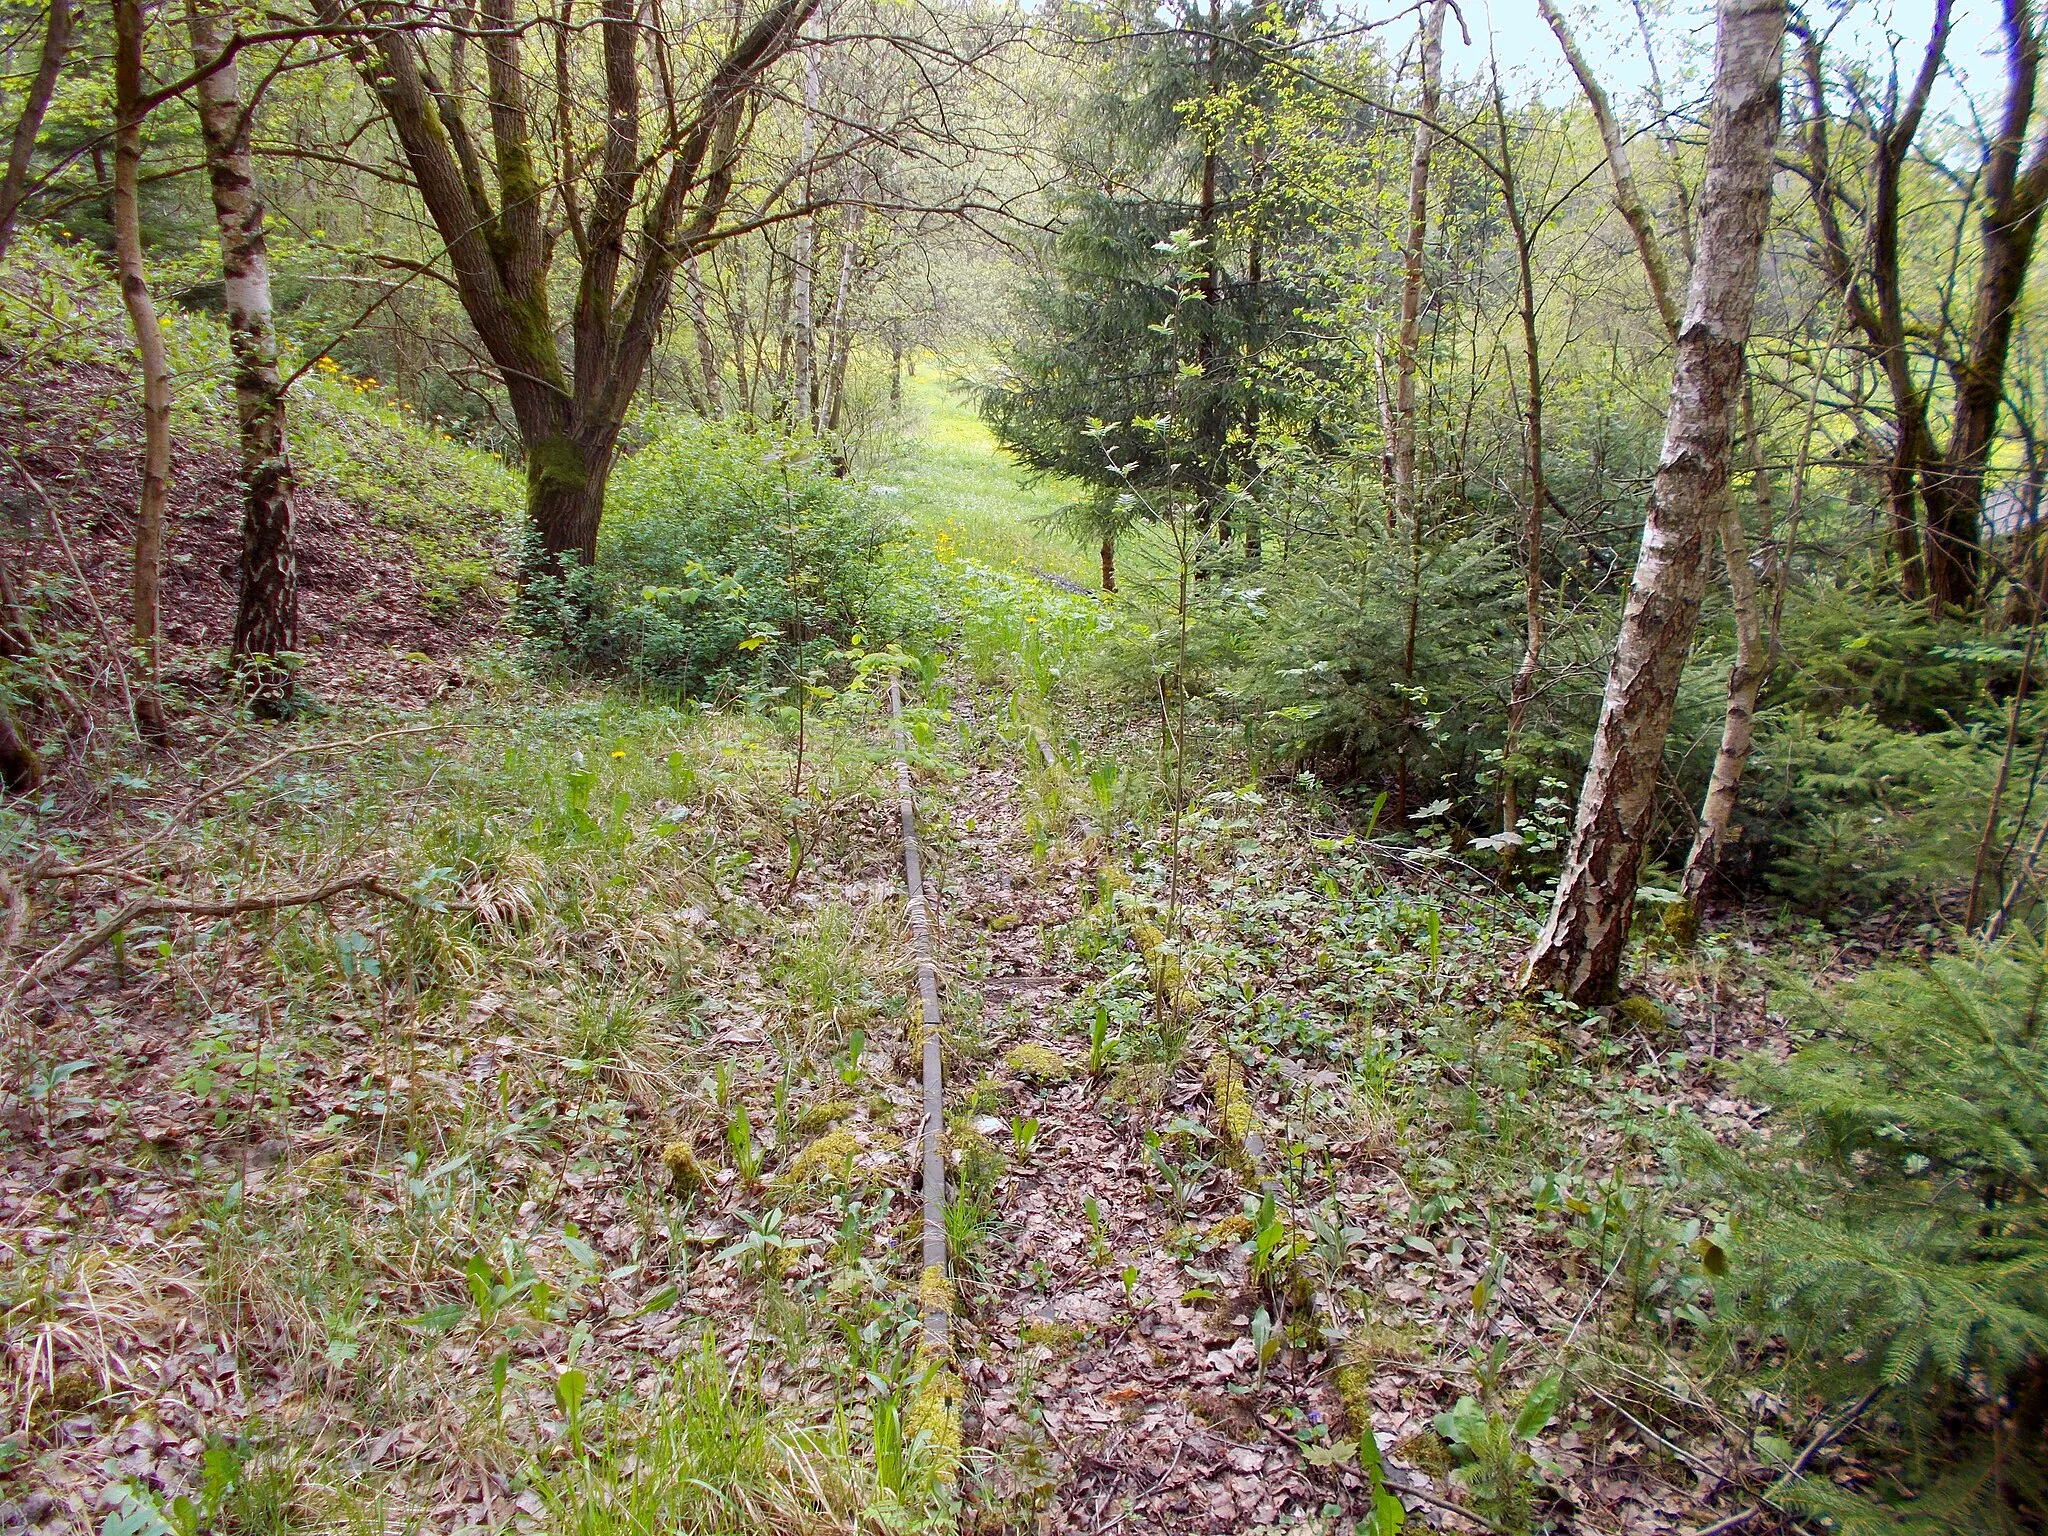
956 484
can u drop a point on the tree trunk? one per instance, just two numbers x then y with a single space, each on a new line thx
1406 509
802 279
145 581
838 328
267 606
1579 952
498 247
1109 562
707 352
20 769
1408 340
1523 689
1953 486
1880 312
1627 200
21 151
1745 679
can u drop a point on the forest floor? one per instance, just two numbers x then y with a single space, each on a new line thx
572 1190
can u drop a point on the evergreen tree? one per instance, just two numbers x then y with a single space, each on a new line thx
1136 358
1892 1233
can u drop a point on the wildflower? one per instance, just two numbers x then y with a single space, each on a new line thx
618 757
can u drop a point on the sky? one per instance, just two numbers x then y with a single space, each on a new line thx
1684 34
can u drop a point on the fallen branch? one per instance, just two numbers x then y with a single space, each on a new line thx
118 867
62 958
1822 1439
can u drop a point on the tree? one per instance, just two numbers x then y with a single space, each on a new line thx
1753 655
267 603
1936 493
1579 951
640 215
58 24
146 579
1153 305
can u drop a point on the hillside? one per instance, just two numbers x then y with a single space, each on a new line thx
405 533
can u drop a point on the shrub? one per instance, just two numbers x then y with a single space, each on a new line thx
730 560
1845 810
1893 1233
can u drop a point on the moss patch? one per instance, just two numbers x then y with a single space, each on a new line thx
1425 1451
1229 1231
1038 1064
824 1158
1051 1334
821 1116
1644 1013
1236 1124
685 1174
934 1291
933 1418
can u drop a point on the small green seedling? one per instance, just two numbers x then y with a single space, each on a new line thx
1101 1046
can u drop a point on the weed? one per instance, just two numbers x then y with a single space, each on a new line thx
1023 1133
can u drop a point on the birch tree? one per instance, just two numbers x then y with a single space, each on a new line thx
267 601
1579 952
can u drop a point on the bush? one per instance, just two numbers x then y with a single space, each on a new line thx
1893 1234
730 560
1843 810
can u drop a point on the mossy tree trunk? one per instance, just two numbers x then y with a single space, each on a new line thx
633 221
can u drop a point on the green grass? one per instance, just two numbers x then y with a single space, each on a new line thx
966 496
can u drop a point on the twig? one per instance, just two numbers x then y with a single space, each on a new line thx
114 865
1132 1507
1825 1436
1400 1491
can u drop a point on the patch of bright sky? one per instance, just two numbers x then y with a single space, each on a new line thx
1682 31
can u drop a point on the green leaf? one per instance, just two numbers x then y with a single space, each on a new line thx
1775 1450
1540 1406
440 1319
569 1388
1387 1518
1335 1454
660 1301
1463 1426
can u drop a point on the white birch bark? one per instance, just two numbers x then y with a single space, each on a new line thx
1579 952
267 602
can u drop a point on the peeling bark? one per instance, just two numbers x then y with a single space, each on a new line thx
1579 952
